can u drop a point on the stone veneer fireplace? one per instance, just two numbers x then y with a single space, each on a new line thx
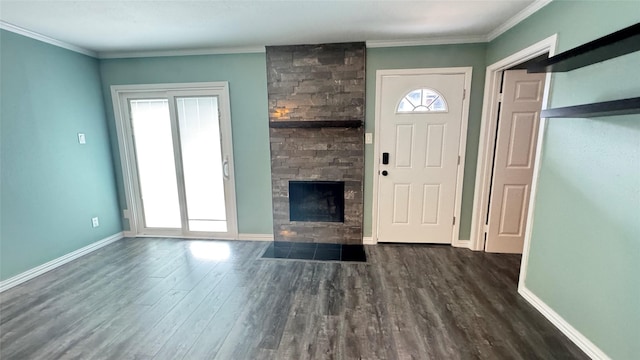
316 116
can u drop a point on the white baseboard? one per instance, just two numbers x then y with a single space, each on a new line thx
255 237
39 270
368 240
461 244
574 335
245 237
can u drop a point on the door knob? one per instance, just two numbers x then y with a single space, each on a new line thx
385 173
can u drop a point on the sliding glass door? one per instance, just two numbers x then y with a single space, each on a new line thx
203 166
153 149
178 151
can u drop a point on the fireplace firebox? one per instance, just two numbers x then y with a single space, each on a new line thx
316 201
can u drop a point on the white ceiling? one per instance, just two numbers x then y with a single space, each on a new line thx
117 27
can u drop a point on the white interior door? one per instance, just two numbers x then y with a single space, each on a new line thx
513 160
177 145
421 117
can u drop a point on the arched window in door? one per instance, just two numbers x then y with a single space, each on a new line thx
422 100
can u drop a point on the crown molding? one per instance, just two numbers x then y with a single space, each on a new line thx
519 17
528 11
190 52
36 36
425 42
515 20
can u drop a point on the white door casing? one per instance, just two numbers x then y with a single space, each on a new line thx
514 159
417 200
121 94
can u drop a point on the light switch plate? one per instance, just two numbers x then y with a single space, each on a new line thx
81 138
368 138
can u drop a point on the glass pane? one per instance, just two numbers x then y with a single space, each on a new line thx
428 98
202 163
422 100
414 97
405 106
155 160
439 105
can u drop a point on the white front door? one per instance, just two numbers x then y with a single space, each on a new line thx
420 121
513 160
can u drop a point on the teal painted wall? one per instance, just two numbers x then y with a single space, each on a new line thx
585 252
247 77
429 57
51 186
246 74
584 259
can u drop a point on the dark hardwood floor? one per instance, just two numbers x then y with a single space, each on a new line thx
178 299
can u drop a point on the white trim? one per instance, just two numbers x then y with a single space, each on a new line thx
187 52
127 170
468 72
442 40
171 234
487 135
445 40
36 36
515 20
574 335
376 159
240 237
368 240
565 327
471 39
168 86
462 151
123 126
186 237
461 243
55 263
524 262
255 237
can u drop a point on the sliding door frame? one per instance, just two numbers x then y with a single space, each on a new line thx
134 212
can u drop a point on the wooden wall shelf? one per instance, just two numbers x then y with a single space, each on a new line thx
616 44
284 124
607 108
619 43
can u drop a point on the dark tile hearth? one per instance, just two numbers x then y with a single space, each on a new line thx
315 251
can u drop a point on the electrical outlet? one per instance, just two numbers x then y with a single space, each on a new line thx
82 139
95 222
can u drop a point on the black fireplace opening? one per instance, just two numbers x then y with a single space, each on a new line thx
316 201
